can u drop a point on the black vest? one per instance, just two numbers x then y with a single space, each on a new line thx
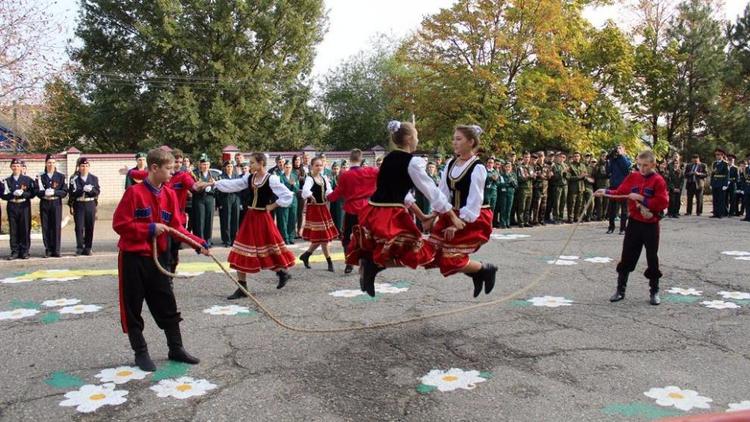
318 191
393 179
259 196
460 185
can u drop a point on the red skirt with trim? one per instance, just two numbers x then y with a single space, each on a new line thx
453 255
319 227
259 245
388 234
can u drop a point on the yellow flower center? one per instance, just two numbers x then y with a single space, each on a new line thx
97 396
449 378
124 373
78 308
183 387
676 396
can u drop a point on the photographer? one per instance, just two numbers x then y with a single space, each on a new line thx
618 167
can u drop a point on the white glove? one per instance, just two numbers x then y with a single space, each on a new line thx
87 188
49 192
724 187
17 192
208 188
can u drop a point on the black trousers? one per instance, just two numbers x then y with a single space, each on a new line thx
50 212
718 200
84 215
612 209
693 191
637 236
19 220
350 220
674 203
140 280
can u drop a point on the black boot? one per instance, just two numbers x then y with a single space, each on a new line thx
330 264
367 277
478 281
622 282
305 258
176 351
490 273
654 290
348 269
142 359
238 293
283 278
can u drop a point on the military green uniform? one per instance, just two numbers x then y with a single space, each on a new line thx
286 218
490 188
559 183
588 185
539 196
601 181
229 213
203 208
575 190
506 189
336 207
525 175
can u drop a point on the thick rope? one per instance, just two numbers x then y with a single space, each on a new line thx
380 325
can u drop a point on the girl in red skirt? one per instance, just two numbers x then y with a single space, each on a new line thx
387 235
259 245
318 229
463 182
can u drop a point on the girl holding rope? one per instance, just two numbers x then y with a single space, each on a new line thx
259 245
318 229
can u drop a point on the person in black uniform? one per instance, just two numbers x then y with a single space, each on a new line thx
18 190
734 176
719 183
84 190
51 190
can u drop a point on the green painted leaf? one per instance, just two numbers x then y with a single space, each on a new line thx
247 314
368 298
520 303
60 379
681 299
425 389
51 317
742 302
647 411
401 284
486 375
27 304
171 369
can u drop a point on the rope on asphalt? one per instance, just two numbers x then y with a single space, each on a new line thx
270 314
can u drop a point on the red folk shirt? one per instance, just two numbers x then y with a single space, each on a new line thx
654 190
356 186
141 207
181 182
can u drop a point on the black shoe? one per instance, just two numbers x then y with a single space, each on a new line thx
478 281
144 362
238 293
348 269
47 254
367 278
305 258
12 256
24 256
56 255
330 264
79 252
86 252
283 278
142 358
610 230
622 232
655 300
176 351
618 296
490 273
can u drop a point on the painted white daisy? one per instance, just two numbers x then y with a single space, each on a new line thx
679 398
69 278
79 309
736 407
685 292
736 253
599 260
719 304
182 388
60 302
509 236
189 274
121 374
18 313
735 295
743 258
550 301
389 288
568 257
561 262
452 379
226 310
15 280
346 293
89 397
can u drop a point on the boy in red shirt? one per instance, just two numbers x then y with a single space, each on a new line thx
646 193
149 210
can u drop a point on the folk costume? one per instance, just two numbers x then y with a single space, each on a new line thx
319 228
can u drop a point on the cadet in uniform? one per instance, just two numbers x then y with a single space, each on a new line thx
52 188
203 202
84 191
559 182
18 191
731 199
140 165
229 208
575 187
490 187
601 181
719 183
675 179
588 188
539 195
525 174
506 188
286 218
337 214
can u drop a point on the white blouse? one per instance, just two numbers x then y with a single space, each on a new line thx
418 172
307 188
284 195
470 212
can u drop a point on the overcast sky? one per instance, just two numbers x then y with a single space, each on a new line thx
353 24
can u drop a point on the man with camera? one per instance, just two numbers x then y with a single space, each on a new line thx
618 167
